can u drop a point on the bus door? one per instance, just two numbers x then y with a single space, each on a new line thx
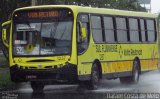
82 42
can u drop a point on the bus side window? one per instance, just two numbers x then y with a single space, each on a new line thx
151 32
82 44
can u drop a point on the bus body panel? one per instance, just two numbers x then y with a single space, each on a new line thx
116 59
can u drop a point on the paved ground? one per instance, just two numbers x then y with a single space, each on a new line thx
148 87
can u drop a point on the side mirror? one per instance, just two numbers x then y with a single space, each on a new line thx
83 32
6 33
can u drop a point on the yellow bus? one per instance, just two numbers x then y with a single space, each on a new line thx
74 44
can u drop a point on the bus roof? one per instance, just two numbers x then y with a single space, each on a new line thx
96 10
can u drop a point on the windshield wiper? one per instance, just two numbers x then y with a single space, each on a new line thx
63 33
53 33
28 24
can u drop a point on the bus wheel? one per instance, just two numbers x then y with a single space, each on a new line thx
95 75
135 72
135 75
37 86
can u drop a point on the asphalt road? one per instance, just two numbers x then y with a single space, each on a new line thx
148 87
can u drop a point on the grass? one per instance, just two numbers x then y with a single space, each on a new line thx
3 62
5 81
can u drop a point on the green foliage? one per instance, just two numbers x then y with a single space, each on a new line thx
7 6
116 4
5 80
3 62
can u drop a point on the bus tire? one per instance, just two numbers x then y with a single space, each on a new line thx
95 77
37 86
135 74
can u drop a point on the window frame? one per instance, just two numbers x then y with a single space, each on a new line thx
114 29
154 31
102 29
137 30
89 31
128 39
127 29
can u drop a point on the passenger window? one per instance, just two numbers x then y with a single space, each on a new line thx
121 30
143 31
109 29
133 28
96 29
151 30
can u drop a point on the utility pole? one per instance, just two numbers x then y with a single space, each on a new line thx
33 2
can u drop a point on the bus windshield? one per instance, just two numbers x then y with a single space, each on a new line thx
42 36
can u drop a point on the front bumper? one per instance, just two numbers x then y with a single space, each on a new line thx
65 73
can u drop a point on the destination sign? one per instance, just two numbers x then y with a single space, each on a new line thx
43 14
62 14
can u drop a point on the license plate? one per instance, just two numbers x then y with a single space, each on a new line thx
31 77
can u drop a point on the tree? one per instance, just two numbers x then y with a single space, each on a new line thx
7 6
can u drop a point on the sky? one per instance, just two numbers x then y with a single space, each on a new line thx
155 6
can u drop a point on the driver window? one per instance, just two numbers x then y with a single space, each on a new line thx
82 44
